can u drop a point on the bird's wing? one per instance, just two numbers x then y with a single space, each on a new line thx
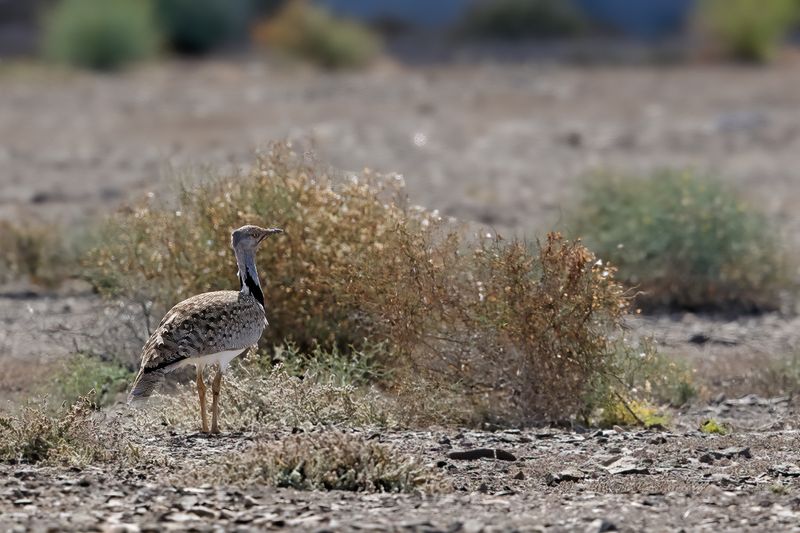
197 326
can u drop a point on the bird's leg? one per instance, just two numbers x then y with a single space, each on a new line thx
215 386
201 392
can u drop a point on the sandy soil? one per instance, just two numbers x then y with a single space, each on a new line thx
604 480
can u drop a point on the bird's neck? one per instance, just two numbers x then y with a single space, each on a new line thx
248 275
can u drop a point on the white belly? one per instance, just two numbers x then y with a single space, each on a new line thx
223 359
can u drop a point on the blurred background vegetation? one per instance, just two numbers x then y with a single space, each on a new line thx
347 33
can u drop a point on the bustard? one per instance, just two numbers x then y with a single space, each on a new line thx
210 328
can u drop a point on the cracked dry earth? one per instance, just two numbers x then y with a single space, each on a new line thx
560 480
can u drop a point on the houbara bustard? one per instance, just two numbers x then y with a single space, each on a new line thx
210 328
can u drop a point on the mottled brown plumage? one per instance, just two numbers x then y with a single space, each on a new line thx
210 328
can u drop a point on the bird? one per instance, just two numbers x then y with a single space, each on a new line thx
208 329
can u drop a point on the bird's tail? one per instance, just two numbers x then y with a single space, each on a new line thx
145 383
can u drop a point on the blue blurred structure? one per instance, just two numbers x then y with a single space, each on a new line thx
429 14
637 18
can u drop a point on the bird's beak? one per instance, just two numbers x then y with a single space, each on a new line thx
268 232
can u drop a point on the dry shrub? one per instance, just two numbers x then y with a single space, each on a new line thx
748 30
520 329
310 32
31 251
329 460
68 437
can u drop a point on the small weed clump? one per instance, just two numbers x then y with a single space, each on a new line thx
68 437
82 373
309 32
684 241
521 19
100 34
712 427
749 30
520 328
621 412
329 460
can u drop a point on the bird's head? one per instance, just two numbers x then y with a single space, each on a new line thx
249 237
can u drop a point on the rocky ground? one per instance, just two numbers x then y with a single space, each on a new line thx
558 480
503 145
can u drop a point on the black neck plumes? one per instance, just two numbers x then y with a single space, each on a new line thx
252 286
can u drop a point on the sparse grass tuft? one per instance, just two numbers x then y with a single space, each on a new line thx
329 460
68 437
35 252
685 241
749 30
779 377
100 34
626 412
254 397
310 32
712 427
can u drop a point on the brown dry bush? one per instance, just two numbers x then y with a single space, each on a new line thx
521 330
329 460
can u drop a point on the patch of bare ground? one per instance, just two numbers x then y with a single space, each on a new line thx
560 481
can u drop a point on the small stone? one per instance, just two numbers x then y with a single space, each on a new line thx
601 525
519 475
23 501
786 469
187 502
626 465
570 474
706 458
249 501
733 452
178 517
205 512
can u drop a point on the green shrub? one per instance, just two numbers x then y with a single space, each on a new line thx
520 328
198 26
684 241
355 366
68 437
329 461
520 19
81 374
311 33
100 34
749 30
